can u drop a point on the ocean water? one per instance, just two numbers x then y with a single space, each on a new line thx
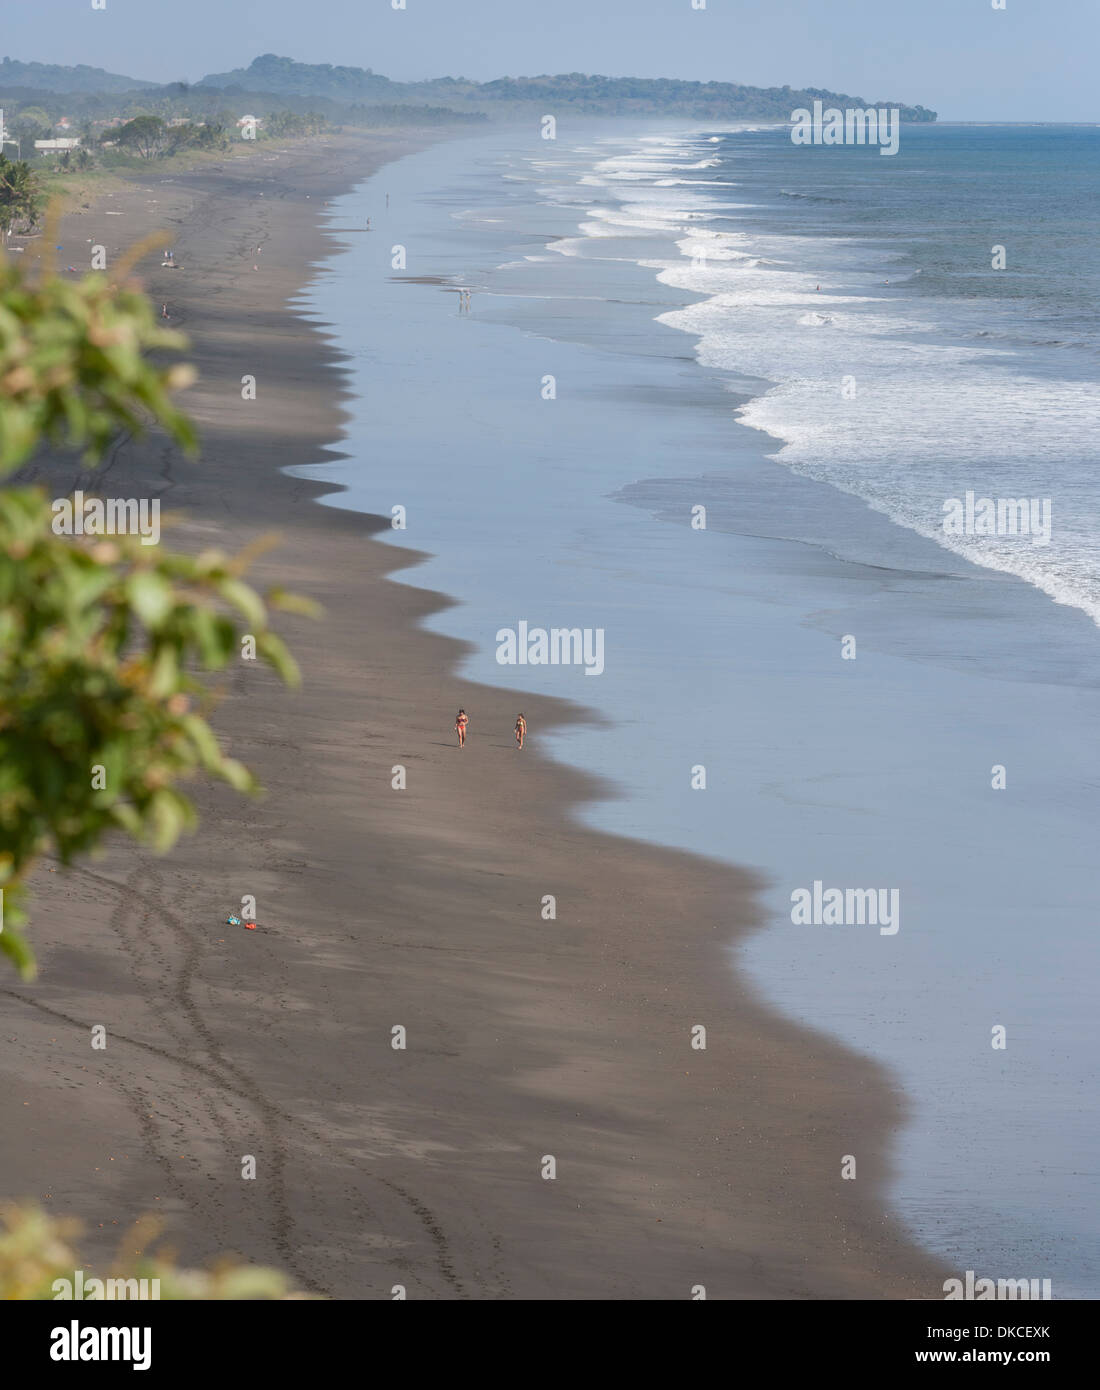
813 345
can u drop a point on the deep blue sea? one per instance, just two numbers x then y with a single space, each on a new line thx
813 346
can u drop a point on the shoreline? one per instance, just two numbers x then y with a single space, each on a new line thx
525 1038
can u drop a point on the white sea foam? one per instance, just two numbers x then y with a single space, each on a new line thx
936 410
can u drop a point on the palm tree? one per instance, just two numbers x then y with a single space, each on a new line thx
20 196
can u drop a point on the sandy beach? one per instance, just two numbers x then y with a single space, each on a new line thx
418 908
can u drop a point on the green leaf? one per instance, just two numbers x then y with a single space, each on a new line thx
169 819
201 734
164 679
151 596
294 603
274 651
246 600
238 776
17 950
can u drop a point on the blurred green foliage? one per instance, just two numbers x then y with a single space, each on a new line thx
102 714
36 1252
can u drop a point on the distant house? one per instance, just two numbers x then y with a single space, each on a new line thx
253 121
67 143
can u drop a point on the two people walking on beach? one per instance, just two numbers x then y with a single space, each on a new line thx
463 720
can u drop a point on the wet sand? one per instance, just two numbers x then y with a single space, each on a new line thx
526 1039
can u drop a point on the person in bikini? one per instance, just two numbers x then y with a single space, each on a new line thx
460 727
521 730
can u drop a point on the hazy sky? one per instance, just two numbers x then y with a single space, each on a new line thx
1034 60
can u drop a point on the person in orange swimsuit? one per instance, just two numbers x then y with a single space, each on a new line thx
460 727
521 730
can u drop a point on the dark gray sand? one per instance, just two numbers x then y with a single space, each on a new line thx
421 908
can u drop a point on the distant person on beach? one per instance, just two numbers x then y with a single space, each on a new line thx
164 311
460 727
521 730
